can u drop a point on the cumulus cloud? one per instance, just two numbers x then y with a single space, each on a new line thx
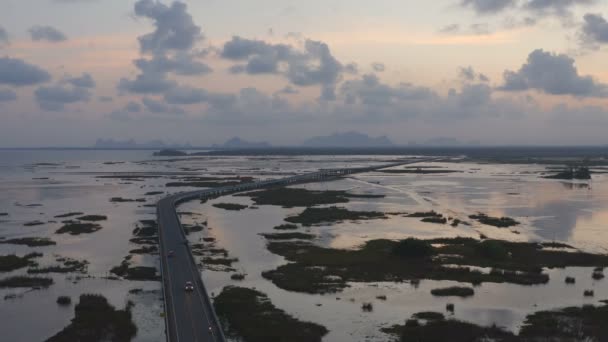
175 28
378 67
451 28
186 95
314 64
468 74
181 64
169 49
47 33
133 107
17 72
160 107
83 81
488 6
105 99
3 36
554 7
55 97
368 90
147 83
595 29
553 74
7 95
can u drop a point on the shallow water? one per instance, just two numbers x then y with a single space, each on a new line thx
548 210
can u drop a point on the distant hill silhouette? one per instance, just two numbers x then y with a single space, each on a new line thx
130 143
348 139
238 143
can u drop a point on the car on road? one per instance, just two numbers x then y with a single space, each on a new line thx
170 254
189 287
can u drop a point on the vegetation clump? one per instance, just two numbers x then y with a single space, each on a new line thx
69 214
287 226
315 269
30 241
64 300
299 197
440 220
501 222
587 323
69 266
312 216
439 330
13 262
135 273
77 228
454 291
413 248
231 206
288 236
33 223
426 214
575 172
250 315
93 218
96 321
125 200
25 281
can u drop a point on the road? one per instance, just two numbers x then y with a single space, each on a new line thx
189 315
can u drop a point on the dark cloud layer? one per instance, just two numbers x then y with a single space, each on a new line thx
7 95
17 72
595 29
55 97
83 81
3 36
175 28
488 6
47 33
553 74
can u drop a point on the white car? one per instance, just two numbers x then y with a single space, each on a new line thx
189 287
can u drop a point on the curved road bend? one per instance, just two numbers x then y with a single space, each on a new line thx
189 315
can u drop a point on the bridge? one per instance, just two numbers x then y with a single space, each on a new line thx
189 315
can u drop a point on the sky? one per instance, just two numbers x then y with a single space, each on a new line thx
498 72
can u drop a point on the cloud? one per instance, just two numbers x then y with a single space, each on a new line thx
160 107
133 107
312 65
378 67
7 95
553 74
182 64
451 28
488 6
186 95
147 83
83 81
468 74
3 36
288 90
172 49
595 29
105 99
175 28
554 7
368 90
55 97
16 72
47 33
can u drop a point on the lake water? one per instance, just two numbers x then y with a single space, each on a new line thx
38 185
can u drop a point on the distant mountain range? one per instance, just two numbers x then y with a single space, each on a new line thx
348 139
131 143
238 143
